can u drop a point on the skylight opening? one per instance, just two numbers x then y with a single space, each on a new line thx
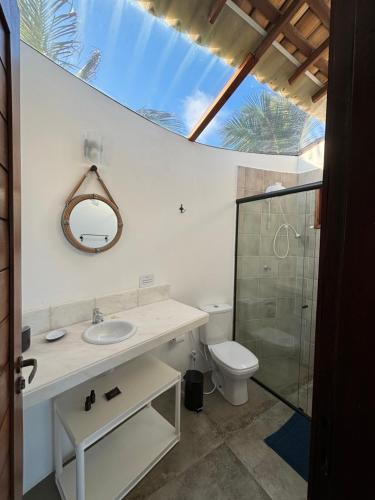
150 65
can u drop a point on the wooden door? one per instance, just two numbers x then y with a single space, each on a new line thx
343 417
10 289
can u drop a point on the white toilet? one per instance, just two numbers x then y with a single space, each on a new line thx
233 364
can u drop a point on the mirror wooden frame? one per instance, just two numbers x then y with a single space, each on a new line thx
65 223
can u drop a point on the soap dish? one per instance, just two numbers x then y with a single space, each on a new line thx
55 334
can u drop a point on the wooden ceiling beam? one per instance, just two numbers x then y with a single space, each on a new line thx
226 92
309 61
216 8
245 68
294 36
322 65
321 93
267 8
321 10
278 27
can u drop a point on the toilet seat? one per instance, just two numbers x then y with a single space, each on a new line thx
234 357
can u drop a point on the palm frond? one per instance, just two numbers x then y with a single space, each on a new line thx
51 27
88 70
270 124
163 118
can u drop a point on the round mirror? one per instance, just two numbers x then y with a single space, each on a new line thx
92 223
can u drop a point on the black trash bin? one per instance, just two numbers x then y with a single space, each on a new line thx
193 390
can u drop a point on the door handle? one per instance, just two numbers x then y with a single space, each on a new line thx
22 363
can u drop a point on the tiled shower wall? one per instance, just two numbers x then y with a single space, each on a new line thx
251 181
271 291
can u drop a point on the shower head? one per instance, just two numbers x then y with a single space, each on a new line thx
274 187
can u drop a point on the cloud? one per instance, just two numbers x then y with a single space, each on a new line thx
194 107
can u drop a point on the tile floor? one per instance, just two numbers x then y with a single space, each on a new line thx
221 455
289 378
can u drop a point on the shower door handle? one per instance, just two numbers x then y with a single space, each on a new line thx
305 306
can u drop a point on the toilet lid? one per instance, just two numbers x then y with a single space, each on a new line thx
234 355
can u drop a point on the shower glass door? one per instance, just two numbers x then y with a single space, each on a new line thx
277 262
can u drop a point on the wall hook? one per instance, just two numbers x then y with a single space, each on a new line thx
182 209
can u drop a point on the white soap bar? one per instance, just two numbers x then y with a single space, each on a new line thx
55 334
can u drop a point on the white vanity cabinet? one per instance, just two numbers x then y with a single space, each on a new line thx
118 441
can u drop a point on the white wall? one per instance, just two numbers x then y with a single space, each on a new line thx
149 172
312 159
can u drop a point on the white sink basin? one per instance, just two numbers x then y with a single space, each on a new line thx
109 332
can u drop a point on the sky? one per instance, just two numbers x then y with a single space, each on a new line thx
145 63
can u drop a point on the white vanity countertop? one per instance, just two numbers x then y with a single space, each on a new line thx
71 361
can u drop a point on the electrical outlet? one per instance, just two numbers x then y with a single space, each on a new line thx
146 280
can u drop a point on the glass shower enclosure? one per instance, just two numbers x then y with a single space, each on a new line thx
277 260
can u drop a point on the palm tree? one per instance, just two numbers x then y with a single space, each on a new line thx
270 124
51 27
163 118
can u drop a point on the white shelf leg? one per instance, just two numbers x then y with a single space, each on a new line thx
177 413
80 472
57 444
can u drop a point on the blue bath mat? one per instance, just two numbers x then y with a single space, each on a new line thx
292 443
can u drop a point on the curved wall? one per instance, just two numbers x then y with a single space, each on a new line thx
149 171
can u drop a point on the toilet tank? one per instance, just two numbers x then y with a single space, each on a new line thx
219 327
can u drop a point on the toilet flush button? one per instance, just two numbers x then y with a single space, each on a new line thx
146 280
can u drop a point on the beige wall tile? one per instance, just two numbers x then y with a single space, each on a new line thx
153 294
267 288
241 193
249 223
254 179
252 207
248 245
289 179
38 320
285 306
266 246
288 266
117 302
247 288
270 177
68 314
311 176
271 223
248 267
241 177
267 309
250 192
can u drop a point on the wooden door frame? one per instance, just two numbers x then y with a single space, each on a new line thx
10 14
343 417
344 402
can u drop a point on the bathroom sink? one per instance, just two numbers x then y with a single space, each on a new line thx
109 332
